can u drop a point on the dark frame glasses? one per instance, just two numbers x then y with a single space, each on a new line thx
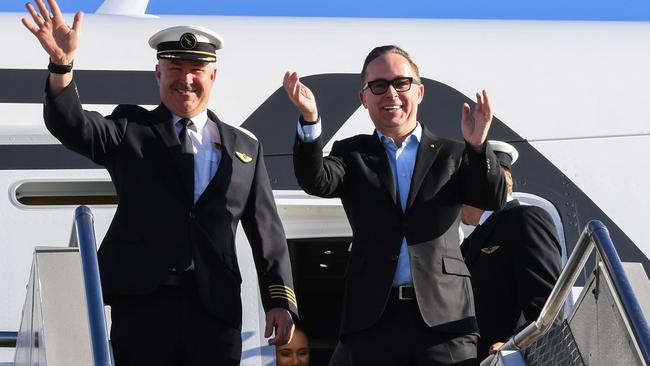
380 86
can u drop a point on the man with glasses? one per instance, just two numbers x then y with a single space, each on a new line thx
408 296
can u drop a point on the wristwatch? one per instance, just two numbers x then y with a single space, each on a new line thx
59 69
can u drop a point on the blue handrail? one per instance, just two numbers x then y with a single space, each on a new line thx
600 236
8 339
83 236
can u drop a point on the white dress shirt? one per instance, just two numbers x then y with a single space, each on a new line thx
206 146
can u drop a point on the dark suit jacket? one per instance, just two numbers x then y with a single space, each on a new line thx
446 174
514 258
156 218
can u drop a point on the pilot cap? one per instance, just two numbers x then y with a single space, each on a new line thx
186 42
506 153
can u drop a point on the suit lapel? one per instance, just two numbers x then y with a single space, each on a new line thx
377 160
161 124
427 153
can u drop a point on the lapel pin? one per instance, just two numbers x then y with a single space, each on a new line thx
490 250
432 146
243 157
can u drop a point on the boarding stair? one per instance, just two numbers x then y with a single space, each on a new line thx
606 326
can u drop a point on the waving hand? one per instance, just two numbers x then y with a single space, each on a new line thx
301 96
59 40
476 124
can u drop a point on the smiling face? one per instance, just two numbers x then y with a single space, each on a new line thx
393 113
185 85
294 353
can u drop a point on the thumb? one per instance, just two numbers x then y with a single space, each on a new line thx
270 322
465 111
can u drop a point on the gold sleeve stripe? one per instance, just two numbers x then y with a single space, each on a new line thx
282 293
281 286
293 301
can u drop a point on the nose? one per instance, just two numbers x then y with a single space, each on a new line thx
391 92
294 360
188 78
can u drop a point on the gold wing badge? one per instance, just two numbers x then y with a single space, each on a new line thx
283 292
490 250
245 158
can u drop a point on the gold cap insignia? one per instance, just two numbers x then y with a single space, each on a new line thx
490 250
188 41
243 157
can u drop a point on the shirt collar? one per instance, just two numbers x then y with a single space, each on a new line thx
486 214
199 120
415 134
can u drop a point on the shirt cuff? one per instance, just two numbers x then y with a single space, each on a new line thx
309 133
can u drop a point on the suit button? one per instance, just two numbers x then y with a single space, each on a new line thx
404 226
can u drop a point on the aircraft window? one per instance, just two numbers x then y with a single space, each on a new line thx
56 193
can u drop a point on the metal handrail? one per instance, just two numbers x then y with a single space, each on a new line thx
595 235
83 236
8 339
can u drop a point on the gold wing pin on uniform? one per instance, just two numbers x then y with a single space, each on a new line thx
245 158
490 250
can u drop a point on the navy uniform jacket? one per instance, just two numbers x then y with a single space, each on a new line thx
447 173
514 258
156 218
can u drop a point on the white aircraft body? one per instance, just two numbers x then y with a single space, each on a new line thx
571 96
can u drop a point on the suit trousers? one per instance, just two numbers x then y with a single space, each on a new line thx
402 338
171 327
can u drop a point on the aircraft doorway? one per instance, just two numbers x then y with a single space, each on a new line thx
319 266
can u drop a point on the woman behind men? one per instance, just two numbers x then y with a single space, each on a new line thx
294 353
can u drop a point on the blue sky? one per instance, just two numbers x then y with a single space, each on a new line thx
624 10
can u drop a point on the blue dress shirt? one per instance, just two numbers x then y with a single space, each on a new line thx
402 161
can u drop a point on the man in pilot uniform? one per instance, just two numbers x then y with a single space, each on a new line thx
184 181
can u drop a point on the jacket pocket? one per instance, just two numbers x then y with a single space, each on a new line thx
454 266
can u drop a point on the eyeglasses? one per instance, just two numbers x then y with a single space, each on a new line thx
380 86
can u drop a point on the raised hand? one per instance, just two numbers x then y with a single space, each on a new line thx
300 96
476 124
59 40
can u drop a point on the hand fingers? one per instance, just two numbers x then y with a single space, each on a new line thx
78 21
268 331
479 102
36 16
56 12
31 27
44 12
486 103
465 111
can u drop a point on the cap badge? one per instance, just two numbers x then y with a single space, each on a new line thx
188 41
243 157
490 250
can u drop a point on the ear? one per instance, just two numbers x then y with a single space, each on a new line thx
213 74
421 93
158 74
362 98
